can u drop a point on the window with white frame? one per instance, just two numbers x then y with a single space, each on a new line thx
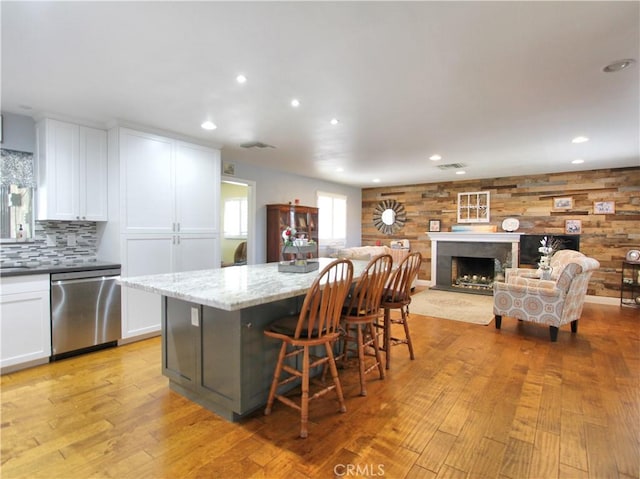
332 219
235 218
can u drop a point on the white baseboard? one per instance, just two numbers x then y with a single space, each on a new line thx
602 300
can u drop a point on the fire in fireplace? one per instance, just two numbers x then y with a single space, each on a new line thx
472 273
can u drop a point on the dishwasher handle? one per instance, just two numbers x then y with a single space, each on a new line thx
85 280
96 273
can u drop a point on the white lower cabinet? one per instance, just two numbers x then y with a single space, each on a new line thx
156 254
25 321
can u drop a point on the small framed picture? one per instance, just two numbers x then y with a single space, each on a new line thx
573 227
228 169
434 226
565 203
604 207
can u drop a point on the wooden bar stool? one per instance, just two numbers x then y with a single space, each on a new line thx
361 311
397 295
316 325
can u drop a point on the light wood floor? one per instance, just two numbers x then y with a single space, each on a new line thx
475 403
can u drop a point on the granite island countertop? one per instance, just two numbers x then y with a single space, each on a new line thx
235 287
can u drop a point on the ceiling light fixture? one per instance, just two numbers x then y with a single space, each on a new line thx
334 121
461 172
241 78
618 65
339 169
208 125
376 180
435 157
580 139
577 161
295 103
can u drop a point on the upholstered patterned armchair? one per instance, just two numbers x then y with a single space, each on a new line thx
553 303
558 261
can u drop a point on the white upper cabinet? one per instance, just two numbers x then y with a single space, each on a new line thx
93 174
71 171
168 186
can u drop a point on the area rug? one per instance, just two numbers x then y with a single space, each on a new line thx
470 308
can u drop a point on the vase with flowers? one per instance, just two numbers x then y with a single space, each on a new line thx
548 246
300 247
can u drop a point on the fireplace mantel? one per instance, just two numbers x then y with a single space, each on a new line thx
476 237
471 237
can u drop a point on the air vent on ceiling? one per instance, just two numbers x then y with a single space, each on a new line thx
256 144
451 166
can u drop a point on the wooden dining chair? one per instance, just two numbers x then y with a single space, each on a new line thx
397 295
361 311
317 324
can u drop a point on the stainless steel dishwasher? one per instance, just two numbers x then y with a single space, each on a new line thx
85 311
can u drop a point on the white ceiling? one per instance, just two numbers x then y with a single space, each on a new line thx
501 87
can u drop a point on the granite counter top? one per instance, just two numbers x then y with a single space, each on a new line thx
235 287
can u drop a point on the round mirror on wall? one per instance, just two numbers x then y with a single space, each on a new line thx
389 216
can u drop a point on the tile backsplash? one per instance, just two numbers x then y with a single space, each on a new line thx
52 243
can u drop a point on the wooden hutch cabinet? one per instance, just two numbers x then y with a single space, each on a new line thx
303 218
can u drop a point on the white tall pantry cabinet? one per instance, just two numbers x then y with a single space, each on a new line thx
167 205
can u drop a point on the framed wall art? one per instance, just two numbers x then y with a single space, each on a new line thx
573 227
434 226
473 207
604 207
565 203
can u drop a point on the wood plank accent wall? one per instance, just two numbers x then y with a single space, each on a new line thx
606 237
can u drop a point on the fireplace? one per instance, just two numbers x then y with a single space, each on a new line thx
469 262
475 274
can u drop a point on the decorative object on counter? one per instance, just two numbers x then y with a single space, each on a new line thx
562 204
604 207
434 226
573 227
301 247
389 216
510 225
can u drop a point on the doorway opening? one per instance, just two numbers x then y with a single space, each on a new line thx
237 220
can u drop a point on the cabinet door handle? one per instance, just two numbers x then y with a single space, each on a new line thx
178 227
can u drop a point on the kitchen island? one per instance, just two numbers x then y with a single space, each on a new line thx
214 351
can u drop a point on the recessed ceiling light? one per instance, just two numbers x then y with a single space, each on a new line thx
461 172
334 121
295 103
435 157
339 169
619 65
241 78
580 139
208 125
577 161
376 180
